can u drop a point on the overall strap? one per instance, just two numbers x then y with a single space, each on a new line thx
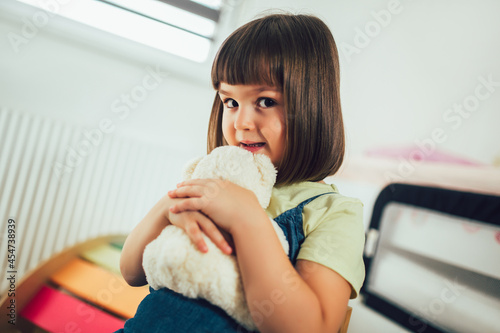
291 223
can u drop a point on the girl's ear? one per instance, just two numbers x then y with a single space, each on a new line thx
189 168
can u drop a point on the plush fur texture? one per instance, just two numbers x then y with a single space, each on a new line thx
172 261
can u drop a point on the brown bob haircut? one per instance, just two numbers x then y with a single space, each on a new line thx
296 53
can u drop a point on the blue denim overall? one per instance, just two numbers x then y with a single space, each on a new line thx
164 310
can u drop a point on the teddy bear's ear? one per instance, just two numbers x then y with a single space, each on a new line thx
266 169
189 168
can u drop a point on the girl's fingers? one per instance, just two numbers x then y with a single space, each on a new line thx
190 204
197 224
206 188
214 234
194 232
186 191
198 187
193 182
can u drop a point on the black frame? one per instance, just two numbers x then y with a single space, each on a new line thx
476 206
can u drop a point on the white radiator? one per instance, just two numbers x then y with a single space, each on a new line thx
61 186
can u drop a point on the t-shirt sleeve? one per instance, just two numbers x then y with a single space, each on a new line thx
335 238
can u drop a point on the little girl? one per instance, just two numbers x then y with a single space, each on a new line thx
277 93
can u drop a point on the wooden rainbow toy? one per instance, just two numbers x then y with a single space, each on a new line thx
78 290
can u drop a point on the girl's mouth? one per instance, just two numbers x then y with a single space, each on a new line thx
252 147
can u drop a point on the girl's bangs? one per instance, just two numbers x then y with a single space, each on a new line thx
248 58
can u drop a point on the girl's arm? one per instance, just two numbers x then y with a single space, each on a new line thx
307 298
147 230
152 225
281 298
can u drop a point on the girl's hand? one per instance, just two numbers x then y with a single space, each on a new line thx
223 202
195 224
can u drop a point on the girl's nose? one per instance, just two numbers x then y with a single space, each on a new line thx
245 119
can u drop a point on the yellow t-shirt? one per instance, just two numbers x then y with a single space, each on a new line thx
333 228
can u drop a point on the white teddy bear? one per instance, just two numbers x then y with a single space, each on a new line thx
172 261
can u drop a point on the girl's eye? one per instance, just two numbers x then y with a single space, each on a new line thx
231 103
266 102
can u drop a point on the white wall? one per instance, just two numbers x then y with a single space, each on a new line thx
398 85
78 74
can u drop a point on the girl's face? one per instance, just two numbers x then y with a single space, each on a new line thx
253 119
